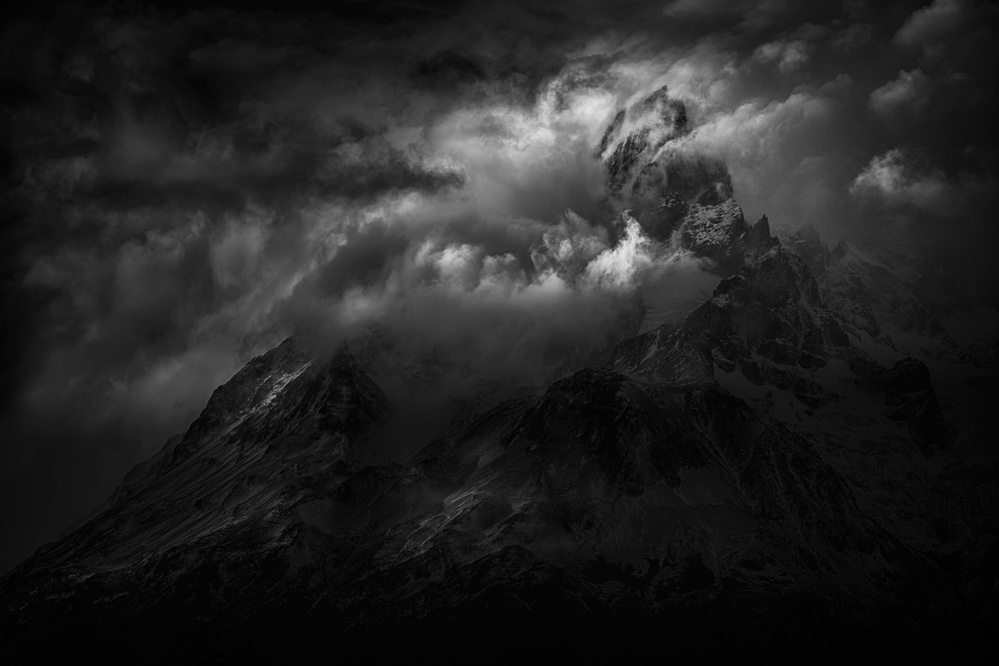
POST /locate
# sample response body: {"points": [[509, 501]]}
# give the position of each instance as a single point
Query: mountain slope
{"points": [[654, 498]]}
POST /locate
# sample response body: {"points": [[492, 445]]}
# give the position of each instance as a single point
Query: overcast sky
{"points": [[183, 189]]}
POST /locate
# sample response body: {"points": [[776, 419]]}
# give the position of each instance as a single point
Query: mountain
{"points": [[607, 498], [675, 195], [776, 469], [876, 293]]}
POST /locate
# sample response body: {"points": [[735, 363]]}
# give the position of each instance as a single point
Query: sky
{"points": [[185, 187]]}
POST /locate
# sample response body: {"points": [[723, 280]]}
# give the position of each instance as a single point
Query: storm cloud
{"points": [[185, 188]]}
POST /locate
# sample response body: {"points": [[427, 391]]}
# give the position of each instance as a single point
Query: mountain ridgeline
{"points": [[778, 471]]}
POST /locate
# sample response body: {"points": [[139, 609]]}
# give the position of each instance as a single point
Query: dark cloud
{"points": [[186, 186], [937, 22], [909, 93], [360, 261]]}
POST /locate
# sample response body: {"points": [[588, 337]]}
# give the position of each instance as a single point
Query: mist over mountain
{"points": [[389, 322]]}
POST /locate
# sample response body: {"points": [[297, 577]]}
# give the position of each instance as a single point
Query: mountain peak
{"points": [[674, 194], [636, 148]]}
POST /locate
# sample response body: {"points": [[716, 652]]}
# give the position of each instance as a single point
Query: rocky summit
{"points": [[779, 470]]}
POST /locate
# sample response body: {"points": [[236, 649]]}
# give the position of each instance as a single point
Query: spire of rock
{"points": [[759, 234]]}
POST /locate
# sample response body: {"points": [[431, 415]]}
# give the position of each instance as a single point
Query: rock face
{"points": [[752, 479], [666, 188], [875, 295], [678, 197], [767, 322], [910, 399]]}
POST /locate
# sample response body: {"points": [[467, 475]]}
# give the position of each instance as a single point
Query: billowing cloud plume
{"points": [[790, 56], [896, 179], [907, 93], [933, 23]]}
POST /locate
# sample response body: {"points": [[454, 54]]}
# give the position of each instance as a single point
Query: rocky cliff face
{"points": [[756, 477], [876, 294], [669, 190]]}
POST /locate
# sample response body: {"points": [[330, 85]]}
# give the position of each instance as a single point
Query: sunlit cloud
{"points": [[907, 93], [896, 179]]}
